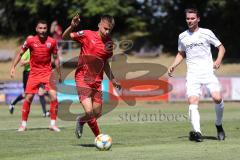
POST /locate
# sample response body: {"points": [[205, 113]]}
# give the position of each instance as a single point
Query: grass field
{"points": [[146, 131]]}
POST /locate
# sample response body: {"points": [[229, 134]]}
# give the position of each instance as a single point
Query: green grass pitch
{"points": [[145, 131]]}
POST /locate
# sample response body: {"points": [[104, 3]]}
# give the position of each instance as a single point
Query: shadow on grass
{"points": [[87, 145], [84, 145], [210, 137], [91, 145], [43, 128], [204, 137], [31, 129]]}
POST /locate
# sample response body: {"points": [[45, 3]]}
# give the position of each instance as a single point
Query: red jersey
{"points": [[94, 53], [40, 55]]}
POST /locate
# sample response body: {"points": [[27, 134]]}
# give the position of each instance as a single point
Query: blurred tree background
{"points": [[151, 22]]}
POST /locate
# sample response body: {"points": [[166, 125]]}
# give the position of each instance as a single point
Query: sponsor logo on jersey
{"points": [[192, 45]]}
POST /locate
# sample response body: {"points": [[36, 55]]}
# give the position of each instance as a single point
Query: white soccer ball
{"points": [[103, 142]]}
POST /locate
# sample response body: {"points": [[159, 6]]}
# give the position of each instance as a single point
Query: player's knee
{"points": [[29, 97], [193, 100], [97, 114], [53, 97], [89, 114], [193, 107]]}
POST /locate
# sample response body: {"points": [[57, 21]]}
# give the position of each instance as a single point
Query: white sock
{"points": [[24, 123], [219, 113], [194, 117], [53, 122]]}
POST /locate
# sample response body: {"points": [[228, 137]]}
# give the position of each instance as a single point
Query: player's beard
{"points": [[42, 35], [104, 34]]}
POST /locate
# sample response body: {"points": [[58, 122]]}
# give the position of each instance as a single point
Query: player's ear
{"points": [[198, 19]]}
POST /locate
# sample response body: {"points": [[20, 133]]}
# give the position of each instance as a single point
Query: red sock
{"points": [[53, 109], [94, 126], [25, 110]]}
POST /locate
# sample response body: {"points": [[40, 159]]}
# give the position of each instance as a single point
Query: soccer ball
{"points": [[103, 142]]}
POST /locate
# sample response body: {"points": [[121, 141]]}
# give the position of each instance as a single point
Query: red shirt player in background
{"points": [[96, 48], [42, 47]]}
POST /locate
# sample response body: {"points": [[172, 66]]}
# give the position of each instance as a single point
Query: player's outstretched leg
{"points": [[92, 123], [79, 127], [13, 103], [11, 108]]}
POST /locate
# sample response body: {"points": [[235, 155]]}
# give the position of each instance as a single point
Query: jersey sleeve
{"points": [[181, 47], [213, 39], [26, 45], [79, 36]]}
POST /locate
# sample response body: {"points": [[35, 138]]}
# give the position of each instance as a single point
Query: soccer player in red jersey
{"points": [[96, 48], [42, 47]]}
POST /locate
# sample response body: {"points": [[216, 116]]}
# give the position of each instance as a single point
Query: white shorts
{"points": [[194, 84]]}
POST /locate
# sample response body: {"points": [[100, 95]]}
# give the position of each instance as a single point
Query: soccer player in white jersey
{"points": [[194, 44]]}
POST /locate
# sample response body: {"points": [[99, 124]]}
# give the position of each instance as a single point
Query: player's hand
{"points": [[12, 72], [116, 84], [23, 63], [60, 79], [170, 70], [216, 64], [75, 21]]}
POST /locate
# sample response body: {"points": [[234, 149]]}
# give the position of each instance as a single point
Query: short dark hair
{"points": [[42, 22], [192, 10], [108, 18]]}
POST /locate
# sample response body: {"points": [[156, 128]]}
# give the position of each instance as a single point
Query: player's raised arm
{"points": [[221, 52], [178, 59], [57, 64], [110, 75], [74, 23], [15, 62]]}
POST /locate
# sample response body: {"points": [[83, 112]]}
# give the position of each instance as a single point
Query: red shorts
{"points": [[88, 89], [34, 82]]}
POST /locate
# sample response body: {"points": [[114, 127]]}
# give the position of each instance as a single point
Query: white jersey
{"points": [[196, 46]]}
